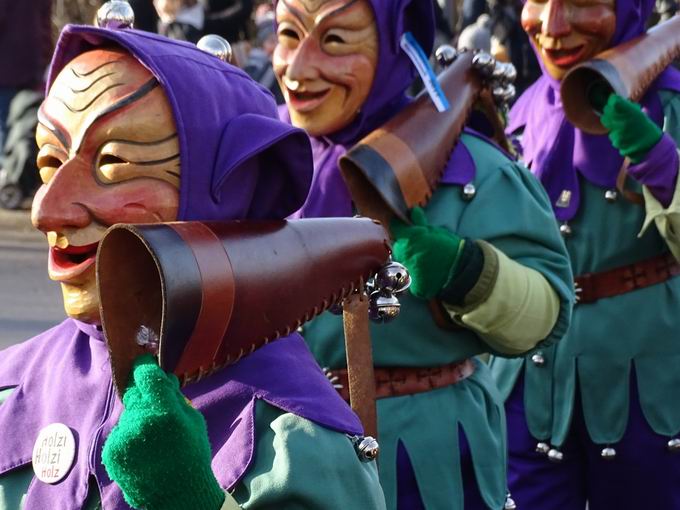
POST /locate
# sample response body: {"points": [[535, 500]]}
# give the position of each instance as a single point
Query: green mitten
{"points": [[158, 453], [631, 131], [430, 253]]}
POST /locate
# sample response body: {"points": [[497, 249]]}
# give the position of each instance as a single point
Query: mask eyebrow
{"points": [[337, 11], [135, 96], [56, 131], [295, 12]]}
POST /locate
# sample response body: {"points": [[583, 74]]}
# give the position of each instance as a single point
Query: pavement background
{"points": [[29, 301]]}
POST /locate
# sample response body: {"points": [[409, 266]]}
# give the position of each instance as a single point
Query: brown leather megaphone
{"points": [[628, 70], [398, 166], [209, 293]]}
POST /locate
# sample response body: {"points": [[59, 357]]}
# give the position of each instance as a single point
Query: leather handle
{"points": [[360, 361]]}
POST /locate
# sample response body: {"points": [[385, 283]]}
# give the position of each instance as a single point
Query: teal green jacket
{"points": [[298, 465], [609, 340], [512, 212]]}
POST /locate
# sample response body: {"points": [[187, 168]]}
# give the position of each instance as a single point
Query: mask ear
{"points": [[263, 169]]}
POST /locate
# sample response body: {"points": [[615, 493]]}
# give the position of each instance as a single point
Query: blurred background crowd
{"points": [[29, 30]]}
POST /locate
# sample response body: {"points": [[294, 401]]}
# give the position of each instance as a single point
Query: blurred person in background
{"points": [[259, 63], [25, 49], [183, 20]]}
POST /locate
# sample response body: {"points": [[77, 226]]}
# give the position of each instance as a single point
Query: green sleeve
{"points": [[301, 465], [512, 212]]}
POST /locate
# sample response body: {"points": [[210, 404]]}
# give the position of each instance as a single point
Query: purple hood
{"points": [[556, 151], [238, 161]]}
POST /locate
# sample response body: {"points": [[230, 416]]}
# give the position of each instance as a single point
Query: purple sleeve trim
{"points": [[659, 170]]}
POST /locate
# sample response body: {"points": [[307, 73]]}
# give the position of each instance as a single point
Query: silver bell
{"points": [[469, 191], [509, 72], [608, 453], [565, 229], [383, 306], [555, 455], [115, 14], [367, 448], [543, 448], [484, 63], [217, 46], [674, 445], [504, 93], [445, 55], [393, 277], [538, 359], [611, 195], [509, 503]]}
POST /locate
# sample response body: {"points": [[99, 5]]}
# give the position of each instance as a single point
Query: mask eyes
{"points": [[288, 36], [333, 39], [49, 160], [109, 167]]}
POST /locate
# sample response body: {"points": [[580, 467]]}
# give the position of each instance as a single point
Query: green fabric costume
{"points": [[510, 211], [611, 337], [284, 475]]}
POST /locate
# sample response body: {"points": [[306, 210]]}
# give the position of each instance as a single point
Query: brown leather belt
{"points": [[398, 381], [593, 286]]}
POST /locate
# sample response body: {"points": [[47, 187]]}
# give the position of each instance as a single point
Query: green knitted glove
{"points": [[431, 254], [158, 453], [631, 131]]}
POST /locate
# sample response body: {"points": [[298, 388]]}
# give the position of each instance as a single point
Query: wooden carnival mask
{"points": [[325, 60], [566, 32], [109, 153]]}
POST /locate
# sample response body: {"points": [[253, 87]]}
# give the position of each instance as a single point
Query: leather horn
{"points": [[628, 70], [212, 292], [398, 166]]}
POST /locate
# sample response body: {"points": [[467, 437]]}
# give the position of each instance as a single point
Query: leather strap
{"points": [[399, 381], [591, 287], [359, 374]]}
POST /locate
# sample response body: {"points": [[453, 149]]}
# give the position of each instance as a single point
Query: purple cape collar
{"points": [[63, 375]]}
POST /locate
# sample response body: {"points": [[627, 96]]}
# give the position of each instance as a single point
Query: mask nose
{"points": [[302, 66], [554, 21], [61, 203]]}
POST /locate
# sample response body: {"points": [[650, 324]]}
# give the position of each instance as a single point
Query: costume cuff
{"points": [[667, 219], [659, 170], [518, 310], [230, 503], [464, 274]]}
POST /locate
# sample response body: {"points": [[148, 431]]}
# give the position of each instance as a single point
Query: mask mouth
{"points": [[70, 262], [565, 57], [304, 101]]}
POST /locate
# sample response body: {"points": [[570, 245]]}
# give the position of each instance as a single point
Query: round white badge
{"points": [[53, 453]]}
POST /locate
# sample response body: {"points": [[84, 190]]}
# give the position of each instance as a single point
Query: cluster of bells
{"points": [[607, 453], [117, 14], [610, 195], [383, 305], [500, 76]]}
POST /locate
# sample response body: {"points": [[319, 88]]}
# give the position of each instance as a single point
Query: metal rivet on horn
{"points": [[216, 46], [115, 14]]}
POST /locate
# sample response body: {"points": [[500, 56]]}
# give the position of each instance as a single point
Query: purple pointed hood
{"points": [[237, 159], [558, 152]]}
